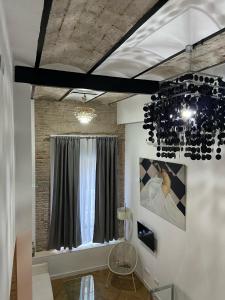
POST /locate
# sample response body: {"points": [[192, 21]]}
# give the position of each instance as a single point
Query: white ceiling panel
{"points": [[177, 24]]}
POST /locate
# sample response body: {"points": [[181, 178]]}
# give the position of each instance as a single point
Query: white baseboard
{"points": [[147, 285], [79, 272]]}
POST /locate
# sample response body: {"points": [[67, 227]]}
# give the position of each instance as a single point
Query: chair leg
{"points": [[107, 280], [134, 282]]}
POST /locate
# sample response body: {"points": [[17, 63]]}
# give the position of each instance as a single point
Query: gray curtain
{"points": [[64, 228], [106, 190]]}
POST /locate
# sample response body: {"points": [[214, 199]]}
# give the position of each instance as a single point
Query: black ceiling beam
{"points": [[138, 24], [135, 76], [212, 66], [41, 38], [158, 64], [63, 79], [43, 28], [209, 37], [65, 95]]}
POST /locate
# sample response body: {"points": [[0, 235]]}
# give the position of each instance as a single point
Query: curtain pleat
{"points": [[65, 228], [106, 190]]}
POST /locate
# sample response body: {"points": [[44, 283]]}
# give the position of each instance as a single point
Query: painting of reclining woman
{"points": [[163, 190]]}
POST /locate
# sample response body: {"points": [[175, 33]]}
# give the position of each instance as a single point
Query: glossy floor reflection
{"points": [[92, 287]]}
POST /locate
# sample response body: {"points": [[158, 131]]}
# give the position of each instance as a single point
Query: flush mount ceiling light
{"points": [[188, 114], [78, 95], [83, 113]]}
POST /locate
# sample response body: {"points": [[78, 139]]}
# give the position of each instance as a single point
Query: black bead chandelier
{"points": [[187, 115]]}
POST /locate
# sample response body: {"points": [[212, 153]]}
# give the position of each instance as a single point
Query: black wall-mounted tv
{"points": [[146, 236]]}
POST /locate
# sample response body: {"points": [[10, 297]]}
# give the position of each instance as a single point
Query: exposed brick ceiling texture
{"points": [[80, 32], [204, 56]]}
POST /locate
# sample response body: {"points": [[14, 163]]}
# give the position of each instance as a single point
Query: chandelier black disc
{"points": [[188, 115]]}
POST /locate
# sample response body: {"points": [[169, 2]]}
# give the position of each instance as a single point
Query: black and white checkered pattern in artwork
{"points": [[177, 173]]}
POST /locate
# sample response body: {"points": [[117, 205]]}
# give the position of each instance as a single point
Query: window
{"points": [[87, 188], [84, 192]]}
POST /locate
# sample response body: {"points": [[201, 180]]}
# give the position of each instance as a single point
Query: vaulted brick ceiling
{"points": [[81, 32]]}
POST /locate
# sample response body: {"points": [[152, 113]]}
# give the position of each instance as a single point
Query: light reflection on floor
{"points": [[80, 288], [92, 287]]}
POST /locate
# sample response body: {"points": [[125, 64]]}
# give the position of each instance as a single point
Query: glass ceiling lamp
{"points": [[187, 114], [84, 114]]}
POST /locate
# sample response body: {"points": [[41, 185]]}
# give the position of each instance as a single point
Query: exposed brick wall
{"points": [[52, 117]]}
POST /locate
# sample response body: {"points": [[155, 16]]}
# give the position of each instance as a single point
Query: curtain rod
{"points": [[83, 135]]}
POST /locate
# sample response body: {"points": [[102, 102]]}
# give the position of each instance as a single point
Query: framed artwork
{"points": [[163, 190]]}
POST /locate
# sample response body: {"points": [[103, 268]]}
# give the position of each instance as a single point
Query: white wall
{"points": [[23, 23], [7, 206], [193, 260], [130, 110], [23, 157]]}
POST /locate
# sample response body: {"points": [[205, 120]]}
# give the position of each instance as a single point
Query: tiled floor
{"points": [[92, 287]]}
